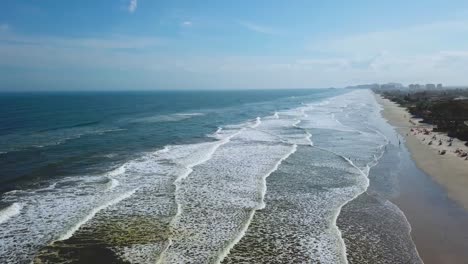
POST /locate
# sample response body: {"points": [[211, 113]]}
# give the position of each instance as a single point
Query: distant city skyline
{"points": [[167, 45]]}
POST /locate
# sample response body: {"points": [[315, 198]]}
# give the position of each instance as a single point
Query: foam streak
{"points": [[241, 234], [93, 212], [9, 212], [185, 175]]}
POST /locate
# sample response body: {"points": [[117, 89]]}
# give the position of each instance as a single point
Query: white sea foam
{"points": [[293, 198], [109, 156], [166, 118], [261, 205], [309, 138], [218, 186], [296, 123], [118, 171], [13, 192], [10, 211], [229, 187], [398, 211], [189, 169], [258, 121], [105, 131], [335, 216], [93, 212], [361, 188], [189, 114], [112, 184], [359, 149], [364, 168]]}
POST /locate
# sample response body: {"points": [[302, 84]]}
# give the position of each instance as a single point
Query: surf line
{"points": [[367, 183], [258, 121], [185, 175], [12, 210], [225, 252], [93, 212]]}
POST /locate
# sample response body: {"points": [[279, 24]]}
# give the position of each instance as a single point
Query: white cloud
{"points": [[170, 70], [258, 28], [410, 40], [4, 27], [132, 6], [103, 43], [187, 24], [364, 58]]}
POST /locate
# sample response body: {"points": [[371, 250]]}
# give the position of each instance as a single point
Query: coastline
{"points": [[449, 171], [429, 192]]}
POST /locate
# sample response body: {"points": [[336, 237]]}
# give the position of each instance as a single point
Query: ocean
{"points": [[267, 176]]}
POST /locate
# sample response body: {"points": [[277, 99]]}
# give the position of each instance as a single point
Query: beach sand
{"points": [[432, 194], [449, 170]]}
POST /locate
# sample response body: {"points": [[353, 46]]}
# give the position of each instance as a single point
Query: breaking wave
{"points": [[217, 201]]}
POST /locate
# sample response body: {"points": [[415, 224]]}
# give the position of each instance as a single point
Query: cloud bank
{"points": [[135, 62], [258, 28]]}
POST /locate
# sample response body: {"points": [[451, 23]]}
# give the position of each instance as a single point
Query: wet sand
{"points": [[431, 193], [374, 229], [439, 224], [448, 170]]}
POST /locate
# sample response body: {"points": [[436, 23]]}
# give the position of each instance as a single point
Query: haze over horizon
{"points": [[143, 44]]}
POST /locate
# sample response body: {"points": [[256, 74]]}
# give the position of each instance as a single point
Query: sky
{"points": [[242, 44]]}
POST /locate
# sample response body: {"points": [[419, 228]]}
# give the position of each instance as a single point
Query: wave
{"points": [[258, 121], [48, 139], [118, 171], [105, 131], [59, 210], [207, 156], [70, 126], [261, 205], [260, 142], [337, 213], [309, 138], [112, 184], [400, 212], [93, 212], [311, 120], [166, 118], [296, 123], [10, 211], [210, 190], [363, 170], [190, 114]]}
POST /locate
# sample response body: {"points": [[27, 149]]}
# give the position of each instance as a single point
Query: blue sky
{"points": [[149, 44]]}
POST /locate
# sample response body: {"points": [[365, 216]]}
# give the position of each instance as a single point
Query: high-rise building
{"points": [[414, 87]]}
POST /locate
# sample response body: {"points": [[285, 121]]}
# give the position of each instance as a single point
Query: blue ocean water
{"points": [[46, 135], [189, 177]]}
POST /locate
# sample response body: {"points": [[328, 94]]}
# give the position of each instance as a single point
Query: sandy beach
{"points": [[449, 170], [431, 188]]}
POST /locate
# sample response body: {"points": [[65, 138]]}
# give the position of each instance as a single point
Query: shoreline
{"points": [[429, 191], [449, 170]]}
